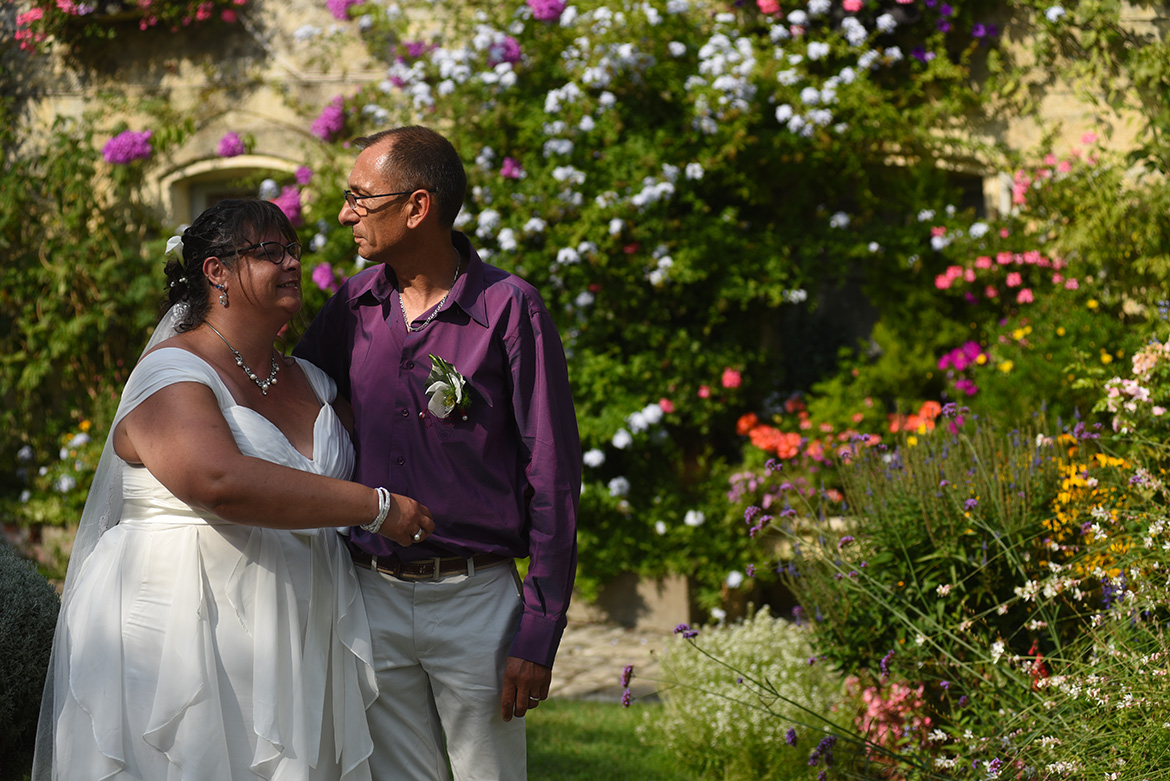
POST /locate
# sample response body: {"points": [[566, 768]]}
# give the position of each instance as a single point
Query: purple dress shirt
{"points": [[507, 479]]}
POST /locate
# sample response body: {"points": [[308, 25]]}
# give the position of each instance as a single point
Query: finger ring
{"points": [[533, 699], [418, 535]]}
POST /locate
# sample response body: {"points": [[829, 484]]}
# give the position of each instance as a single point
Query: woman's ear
{"points": [[214, 270]]}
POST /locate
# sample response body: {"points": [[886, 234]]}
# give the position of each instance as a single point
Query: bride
{"points": [[211, 625]]}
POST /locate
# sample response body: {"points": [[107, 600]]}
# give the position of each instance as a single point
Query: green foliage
{"points": [[28, 614], [80, 293]]}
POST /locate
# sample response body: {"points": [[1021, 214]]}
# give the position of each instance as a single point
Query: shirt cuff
{"points": [[537, 639]]}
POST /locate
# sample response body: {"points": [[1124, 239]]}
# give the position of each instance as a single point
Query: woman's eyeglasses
{"points": [[273, 251]]}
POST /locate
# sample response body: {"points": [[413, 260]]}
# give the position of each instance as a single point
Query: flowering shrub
{"points": [[736, 700], [231, 145], [75, 23]]}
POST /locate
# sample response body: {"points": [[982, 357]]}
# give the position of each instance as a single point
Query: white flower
{"points": [[622, 439], [694, 171], [637, 422], [535, 225], [25, 495], [65, 484], [819, 7], [1054, 13], [593, 458], [788, 77], [719, 614], [818, 50], [447, 389], [79, 440], [677, 49], [652, 413], [568, 256], [873, 246], [584, 299], [660, 528], [926, 214], [619, 486], [615, 226], [269, 189], [694, 518], [839, 220], [798, 17], [734, 579], [978, 230], [997, 650], [783, 113], [886, 23], [810, 96], [25, 454]]}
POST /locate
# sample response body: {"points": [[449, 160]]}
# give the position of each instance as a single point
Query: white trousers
{"points": [[439, 652]]}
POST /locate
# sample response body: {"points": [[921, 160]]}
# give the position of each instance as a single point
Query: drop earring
{"points": [[223, 299]]}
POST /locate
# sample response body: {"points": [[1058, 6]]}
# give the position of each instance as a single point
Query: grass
{"points": [[570, 740]]}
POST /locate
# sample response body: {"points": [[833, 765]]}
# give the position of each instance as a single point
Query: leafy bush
{"points": [[28, 615]]}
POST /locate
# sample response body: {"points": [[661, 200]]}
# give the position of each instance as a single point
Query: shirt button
{"points": [[406, 413], [401, 460], [410, 364]]}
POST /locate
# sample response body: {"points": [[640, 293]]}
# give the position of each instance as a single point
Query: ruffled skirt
{"points": [[215, 651]]}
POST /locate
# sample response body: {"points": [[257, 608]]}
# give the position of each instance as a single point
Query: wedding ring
{"points": [[418, 535], [533, 699]]}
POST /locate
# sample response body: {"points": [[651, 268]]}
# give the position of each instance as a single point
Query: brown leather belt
{"points": [[425, 569]]}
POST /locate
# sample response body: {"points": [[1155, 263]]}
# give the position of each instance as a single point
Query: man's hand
{"points": [[525, 685]]}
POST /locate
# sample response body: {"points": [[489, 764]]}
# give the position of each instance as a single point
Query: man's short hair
{"points": [[422, 159]]}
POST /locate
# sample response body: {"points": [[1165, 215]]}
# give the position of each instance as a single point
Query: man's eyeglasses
{"points": [[273, 251], [352, 199]]}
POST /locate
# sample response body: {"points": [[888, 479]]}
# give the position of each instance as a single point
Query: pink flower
{"points": [[289, 202], [991, 292], [340, 8], [1024, 296], [128, 146], [303, 175], [324, 279], [511, 169], [942, 281], [507, 50], [1089, 138], [851, 6], [332, 119], [704, 392], [1014, 279], [546, 10], [983, 262], [1064, 166], [771, 6], [939, 230], [1004, 233], [1070, 284], [666, 405], [231, 145], [731, 378], [1049, 159], [229, 16], [969, 275]]}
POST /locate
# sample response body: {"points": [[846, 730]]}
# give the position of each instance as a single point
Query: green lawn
{"points": [[594, 741]]}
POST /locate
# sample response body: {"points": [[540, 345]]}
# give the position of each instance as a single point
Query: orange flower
{"points": [[746, 423]]}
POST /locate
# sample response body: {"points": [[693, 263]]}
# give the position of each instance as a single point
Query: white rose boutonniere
{"points": [[447, 389]]}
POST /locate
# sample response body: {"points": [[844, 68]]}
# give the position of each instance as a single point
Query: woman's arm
{"points": [[181, 436]]}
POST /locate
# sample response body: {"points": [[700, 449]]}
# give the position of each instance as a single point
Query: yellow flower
{"points": [[981, 359], [1060, 331], [85, 425], [911, 441], [1093, 304], [1006, 366]]}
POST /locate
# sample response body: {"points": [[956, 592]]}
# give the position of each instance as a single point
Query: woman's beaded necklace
{"points": [[263, 385]]}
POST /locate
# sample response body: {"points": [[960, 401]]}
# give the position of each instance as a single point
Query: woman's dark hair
{"points": [[219, 231]]}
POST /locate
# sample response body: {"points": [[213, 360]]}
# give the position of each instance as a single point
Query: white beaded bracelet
{"points": [[383, 510]]}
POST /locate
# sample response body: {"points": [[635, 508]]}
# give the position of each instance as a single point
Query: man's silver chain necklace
{"points": [[438, 307]]}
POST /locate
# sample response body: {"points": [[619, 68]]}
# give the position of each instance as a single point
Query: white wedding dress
{"points": [[195, 648]]}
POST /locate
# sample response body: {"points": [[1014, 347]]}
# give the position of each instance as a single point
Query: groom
{"points": [[461, 645]]}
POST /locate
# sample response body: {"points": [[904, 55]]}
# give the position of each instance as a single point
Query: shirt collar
{"points": [[373, 286]]}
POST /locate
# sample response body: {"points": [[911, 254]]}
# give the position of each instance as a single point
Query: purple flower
{"points": [[231, 145], [884, 665], [324, 279], [945, 10], [751, 570], [340, 8], [627, 698], [844, 541], [685, 630], [506, 50], [546, 10], [128, 146], [332, 119], [511, 169], [798, 614], [944, 27], [289, 202], [945, 685], [978, 31], [963, 700], [970, 504], [627, 674], [790, 736], [303, 175]]}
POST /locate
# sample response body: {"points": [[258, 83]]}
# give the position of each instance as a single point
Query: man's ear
{"points": [[422, 205]]}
